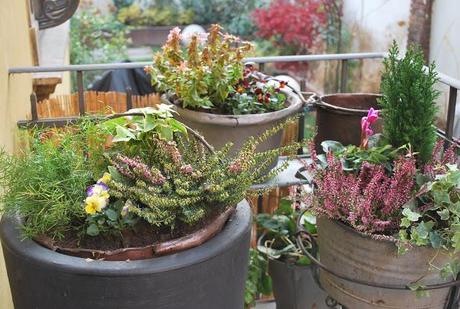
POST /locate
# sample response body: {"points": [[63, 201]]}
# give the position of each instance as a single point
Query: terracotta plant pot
{"points": [[294, 286], [354, 255], [338, 117], [209, 276]]}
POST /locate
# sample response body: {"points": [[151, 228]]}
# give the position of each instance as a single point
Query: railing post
{"points": [[33, 106], [261, 67], [129, 98], [451, 112], [344, 75], [301, 125], [81, 93]]}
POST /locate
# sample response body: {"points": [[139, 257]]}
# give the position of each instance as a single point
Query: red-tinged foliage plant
{"points": [[295, 27]]}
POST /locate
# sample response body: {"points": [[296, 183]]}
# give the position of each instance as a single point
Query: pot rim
{"points": [[149, 251], [345, 110], [295, 106], [363, 235], [236, 226]]}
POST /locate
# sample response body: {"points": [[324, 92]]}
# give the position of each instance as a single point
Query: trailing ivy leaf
{"points": [[435, 239], [456, 240], [424, 229], [441, 197], [450, 269], [443, 214], [411, 215]]}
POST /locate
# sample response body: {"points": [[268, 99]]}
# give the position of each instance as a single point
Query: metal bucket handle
{"points": [[312, 100], [303, 235]]}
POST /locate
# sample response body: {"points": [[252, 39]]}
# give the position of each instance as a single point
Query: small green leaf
{"points": [[333, 146], [435, 239], [443, 214], [441, 197], [111, 214], [123, 135], [456, 241], [115, 174], [92, 230], [411, 215]]}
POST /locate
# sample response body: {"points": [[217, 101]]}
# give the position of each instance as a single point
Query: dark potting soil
{"points": [[141, 235]]}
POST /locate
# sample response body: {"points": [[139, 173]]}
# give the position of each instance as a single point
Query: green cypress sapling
{"points": [[408, 101]]}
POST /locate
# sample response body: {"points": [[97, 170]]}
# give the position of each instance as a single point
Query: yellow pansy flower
{"points": [[95, 203], [105, 178]]}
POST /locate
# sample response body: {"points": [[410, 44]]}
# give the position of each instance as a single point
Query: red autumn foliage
{"points": [[294, 26], [297, 23]]}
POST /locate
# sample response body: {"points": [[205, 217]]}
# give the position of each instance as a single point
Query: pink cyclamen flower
{"points": [[366, 130]]}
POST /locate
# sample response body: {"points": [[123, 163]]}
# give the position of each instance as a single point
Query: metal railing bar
{"points": [[316, 57], [449, 81], [443, 78], [133, 65], [78, 67]]}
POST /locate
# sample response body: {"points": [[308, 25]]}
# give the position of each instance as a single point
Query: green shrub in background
{"points": [[96, 38], [155, 15], [235, 16]]}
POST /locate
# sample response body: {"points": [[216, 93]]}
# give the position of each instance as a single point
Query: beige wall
{"points": [[15, 50]]}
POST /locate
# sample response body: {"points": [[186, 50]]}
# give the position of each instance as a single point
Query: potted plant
{"points": [[131, 212], [387, 220], [150, 26], [215, 94], [292, 276]]}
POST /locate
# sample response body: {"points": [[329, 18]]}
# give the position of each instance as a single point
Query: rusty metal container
{"points": [[338, 117], [358, 256]]}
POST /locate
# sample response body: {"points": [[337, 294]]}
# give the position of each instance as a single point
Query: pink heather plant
{"points": [[370, 200]]}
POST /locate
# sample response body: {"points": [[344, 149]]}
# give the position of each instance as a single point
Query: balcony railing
{"points": [[452, 83]]}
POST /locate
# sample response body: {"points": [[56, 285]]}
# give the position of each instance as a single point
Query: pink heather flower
{"points": [[366, 122], [235, 167], [369, 201], [440, 159], [186, 169]]}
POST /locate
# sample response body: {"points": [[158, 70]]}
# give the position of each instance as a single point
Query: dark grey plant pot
{"points": [[294, 286], [209, 276]]}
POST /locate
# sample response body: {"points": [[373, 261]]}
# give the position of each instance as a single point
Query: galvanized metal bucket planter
{"points": [[358, 257], [294, 286], [221, 129], [209, 276], [338, 117]]}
